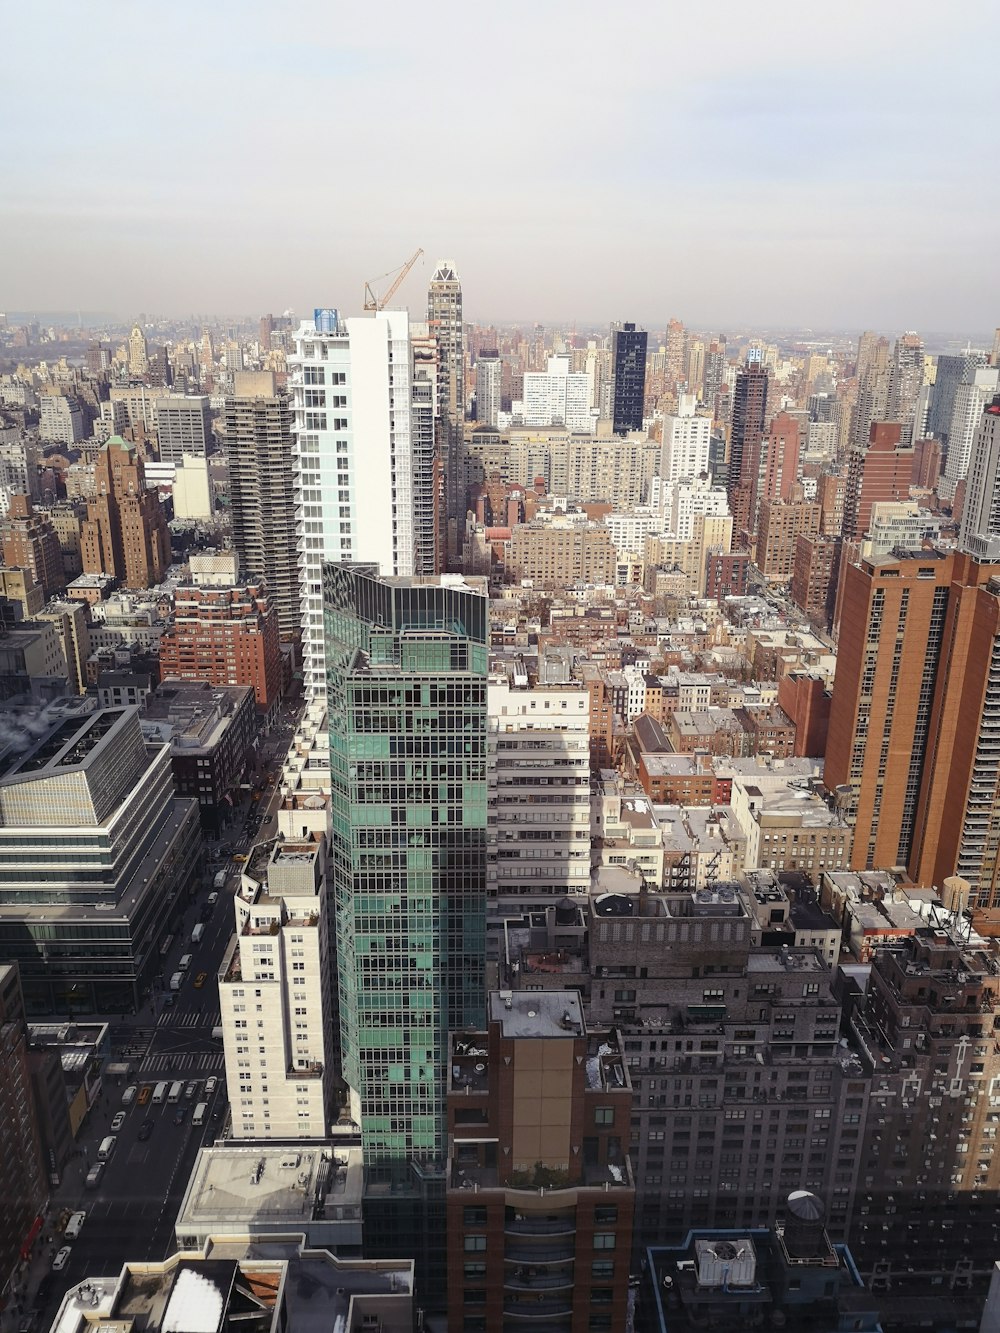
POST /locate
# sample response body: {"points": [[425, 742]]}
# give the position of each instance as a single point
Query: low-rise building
{"points": [[210, 731], [264, 1278], [789, 825]]}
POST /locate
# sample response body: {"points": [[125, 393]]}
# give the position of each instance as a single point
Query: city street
{"points": [[130, 1216]]}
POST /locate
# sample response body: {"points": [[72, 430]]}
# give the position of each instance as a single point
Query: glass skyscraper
{"points": [[406, 689]]}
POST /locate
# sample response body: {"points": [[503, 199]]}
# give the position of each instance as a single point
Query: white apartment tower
{"points": [[489, 385], [352, 384], [980, 534], [274, 992], [538, 773], [975, 390], [557, 397], [686, 439]]}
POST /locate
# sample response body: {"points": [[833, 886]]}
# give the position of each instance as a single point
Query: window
{"points": [[475, 1270], [603, 1240], [474, 1217], [602, 1268], [478, 1243], [604, 1115]]}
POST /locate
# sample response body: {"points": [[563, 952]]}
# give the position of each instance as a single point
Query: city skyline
{"points": [[728, 173]]}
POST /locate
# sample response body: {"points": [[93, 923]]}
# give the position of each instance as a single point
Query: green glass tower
{"points": [[406, 681]]}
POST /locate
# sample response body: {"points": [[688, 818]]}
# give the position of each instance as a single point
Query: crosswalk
{"points": [[137, 1044], [194, 1018], [205, 1062]]}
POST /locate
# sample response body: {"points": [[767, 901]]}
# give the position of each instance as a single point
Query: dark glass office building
{"points": [[628, 355]]}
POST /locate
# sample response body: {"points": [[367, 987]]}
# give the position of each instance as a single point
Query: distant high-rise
{"points": [[906, 370], [686, 439], [715, 375], [258, 440], [29, 541], [557, 397], [125, 533], [879, 471], [951, 371], [628, 362], [138, 353], [183, 426], [489, 385], [444, 319], [407, 674], [977, 387], [980, 534], [353, 386], [746, 433]]}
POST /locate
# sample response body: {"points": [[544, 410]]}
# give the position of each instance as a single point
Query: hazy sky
{"points": [[795, 163]]}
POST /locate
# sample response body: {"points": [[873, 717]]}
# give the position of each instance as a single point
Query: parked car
{"points": [[180, 1115], [145, 1092], [62, 1259], [146, 1130], [117, 1122]]}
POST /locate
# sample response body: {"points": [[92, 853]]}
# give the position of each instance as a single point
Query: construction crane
{"points": [[373, 302]]}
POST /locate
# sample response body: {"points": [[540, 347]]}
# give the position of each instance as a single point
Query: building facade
{"points": [[540, 1194], [275, 986], [406, 671], [539, 794], [351, 383], [258, 442]]}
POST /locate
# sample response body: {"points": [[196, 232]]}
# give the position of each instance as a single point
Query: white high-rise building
{"points": [[680, 501], [980, 534], [352, 387], [686, 440], [538, 773], [976, 389], [274, 993], [489, 383], [557, 397]]}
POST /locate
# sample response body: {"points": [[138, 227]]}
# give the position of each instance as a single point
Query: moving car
{"points": [[180, 1115], [210, 1085], [200, 980], [190, 1090], [107, 1148], [145, 1130], [128, 1096], [117, 1122], [62, 1258], [75, 1225], [94, 1175], [145, 1092], [213, 898]]}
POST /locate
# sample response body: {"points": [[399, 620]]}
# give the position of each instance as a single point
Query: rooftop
{"points": [[267, 1187], [537, 1014]]}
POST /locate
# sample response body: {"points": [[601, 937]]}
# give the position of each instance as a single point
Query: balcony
{"points": [[538, 1309], [541, 1226], [540, 1254], [527, 1279]]}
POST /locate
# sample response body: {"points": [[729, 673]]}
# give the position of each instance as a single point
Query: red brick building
{"points": [[225, 636], [540, 1197], [882, 470]]}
